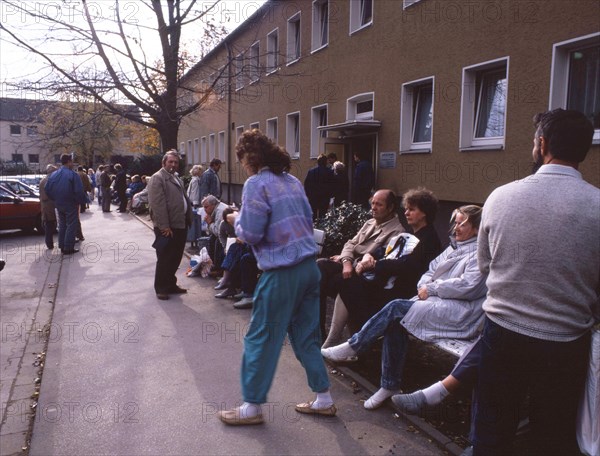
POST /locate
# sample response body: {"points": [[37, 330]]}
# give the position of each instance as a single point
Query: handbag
{"points": [[588, 414]]}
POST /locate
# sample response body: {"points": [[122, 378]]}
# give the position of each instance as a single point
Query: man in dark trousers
{"points": [[121, 187], [538, 240], [318, 186], [105, 188], [171, 213], [64, 187]]}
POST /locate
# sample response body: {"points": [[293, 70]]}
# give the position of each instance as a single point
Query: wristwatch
{"points": [[345, 260]]}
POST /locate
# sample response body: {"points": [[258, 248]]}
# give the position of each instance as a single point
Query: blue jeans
{"points": [[68, 225], [386, 323], [512, 365]]}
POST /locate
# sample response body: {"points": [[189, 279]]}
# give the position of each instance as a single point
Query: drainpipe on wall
{"points": [[228, 141]]}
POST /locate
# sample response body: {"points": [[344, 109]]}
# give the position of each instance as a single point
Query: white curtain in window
{"points": [[324, 22], [366, 11], [491, 104], [422, 114]]}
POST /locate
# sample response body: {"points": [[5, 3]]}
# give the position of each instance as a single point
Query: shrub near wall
{"points": [[340, 225]]}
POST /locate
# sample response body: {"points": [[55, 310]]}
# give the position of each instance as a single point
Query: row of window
{"points": [[575, 85], [16, 130], [32, 158]]}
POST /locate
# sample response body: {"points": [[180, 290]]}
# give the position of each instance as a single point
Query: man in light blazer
{"points": [[171, 213]]}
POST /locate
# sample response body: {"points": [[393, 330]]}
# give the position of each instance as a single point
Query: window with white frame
{"points": [[293, 38], [190, 150], [32, 131], [254, 62], [575, 82], [238, 132], [360, 107], [483, 106], [238, 71], [34, 159], [196, 152], [272, 51], [361, 14], [272, 129], [416, 116], [15, 130], [292, 134], [254, 125], [203, 150], [211, 146], [182, 148], [320, 24], [221, 146], [318, 118]]}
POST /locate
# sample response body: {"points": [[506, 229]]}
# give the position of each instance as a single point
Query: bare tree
{"points": [[118, 53]]}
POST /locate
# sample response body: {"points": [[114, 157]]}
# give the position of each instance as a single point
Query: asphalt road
{"points": [[127, 374]]}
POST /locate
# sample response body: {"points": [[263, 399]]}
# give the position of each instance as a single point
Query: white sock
{"points": [[379, 398], [342, 351], [435, 393], [248, 410], [322, 401]]}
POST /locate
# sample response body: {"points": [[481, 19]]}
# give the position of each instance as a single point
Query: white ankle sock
{"points": [[435, 393], [343, 350], [248, 410], [322, 401], [379, 398]]}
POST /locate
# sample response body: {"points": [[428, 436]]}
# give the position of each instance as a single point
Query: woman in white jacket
{"points": [[447, 305]]}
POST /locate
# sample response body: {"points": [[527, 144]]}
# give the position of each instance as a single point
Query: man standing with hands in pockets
{"points": [[171, 213]]}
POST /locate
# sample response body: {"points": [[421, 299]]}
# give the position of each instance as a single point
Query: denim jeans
{"points": [[386, 323], [68, 224], [512, 365]]}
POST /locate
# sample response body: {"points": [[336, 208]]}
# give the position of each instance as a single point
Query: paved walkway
{"points": [[127, 374]]}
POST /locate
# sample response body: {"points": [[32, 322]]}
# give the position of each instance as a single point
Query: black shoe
{"points": [[162, 296], [69, 252], [50, 247], [2, 264], [178, 290]]}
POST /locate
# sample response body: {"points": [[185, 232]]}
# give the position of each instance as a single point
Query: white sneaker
{"points": [[340, 353]]}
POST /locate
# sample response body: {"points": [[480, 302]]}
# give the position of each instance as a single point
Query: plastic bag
{"points": [[588, 415], [200, 264]]}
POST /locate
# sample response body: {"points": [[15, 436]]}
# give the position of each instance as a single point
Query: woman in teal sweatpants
{"points": [[276, 221]]}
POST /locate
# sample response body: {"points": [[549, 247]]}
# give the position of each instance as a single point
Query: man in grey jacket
{"points": [[171, 213], [539, 242]]}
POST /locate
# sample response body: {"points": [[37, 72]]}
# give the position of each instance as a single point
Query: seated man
{"points": [[213, 218], [447, 305], [373, 235]]}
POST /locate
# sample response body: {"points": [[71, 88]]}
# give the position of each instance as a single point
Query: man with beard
{"points": [[539, 242]]}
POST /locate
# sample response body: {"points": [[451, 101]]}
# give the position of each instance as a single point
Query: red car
{"points": [[19, 213]]}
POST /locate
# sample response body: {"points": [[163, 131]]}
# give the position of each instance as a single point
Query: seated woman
{"points": [[447, 305], [395, 275]]}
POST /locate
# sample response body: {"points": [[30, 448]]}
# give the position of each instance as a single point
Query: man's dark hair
{"points": [[215, 162], [568, 133], [322, 160], [80, 168], [424, 199], [65, 158]]}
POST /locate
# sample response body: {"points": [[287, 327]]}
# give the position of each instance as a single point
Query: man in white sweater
{"points": [[539, 243]]}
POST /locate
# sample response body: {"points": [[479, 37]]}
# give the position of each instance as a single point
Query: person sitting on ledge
{"points": [[447, 305]]}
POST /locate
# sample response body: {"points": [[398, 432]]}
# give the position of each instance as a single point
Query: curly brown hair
{"points": [[424, 199], [260, 151]]}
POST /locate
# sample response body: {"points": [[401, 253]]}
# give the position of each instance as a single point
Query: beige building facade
{"points": [[439, 93]]}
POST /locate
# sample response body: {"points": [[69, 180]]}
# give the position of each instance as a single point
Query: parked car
{"points": [[19, 188], [33, 180], [18, 212]]}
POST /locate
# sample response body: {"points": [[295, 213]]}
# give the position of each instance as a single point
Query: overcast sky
{"points": [[17, 64]]}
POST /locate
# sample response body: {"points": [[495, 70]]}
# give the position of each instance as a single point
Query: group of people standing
{"points": [[328, 184], [525, 267]]}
